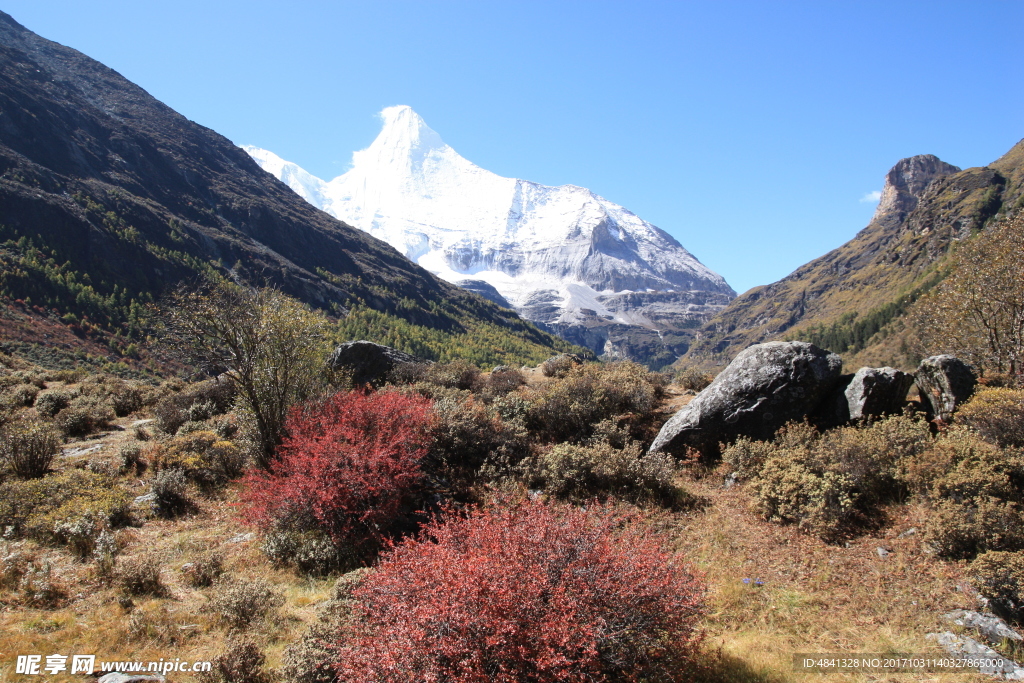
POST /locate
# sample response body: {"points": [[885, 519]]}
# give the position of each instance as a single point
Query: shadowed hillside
{"points": [[108, 198]]}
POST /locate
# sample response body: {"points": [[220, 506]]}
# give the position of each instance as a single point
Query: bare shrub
{"points": [[40, 587], [171, 489], [560, 365], [141, 576], [242, 662], [204, 570], [997, 414], [79, 534], [28, 447], [246, 602]]}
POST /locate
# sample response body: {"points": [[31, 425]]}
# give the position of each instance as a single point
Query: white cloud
{"points": [[871, 197]]}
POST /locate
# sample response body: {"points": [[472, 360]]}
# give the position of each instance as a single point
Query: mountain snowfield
{"points": [[561, 256]]}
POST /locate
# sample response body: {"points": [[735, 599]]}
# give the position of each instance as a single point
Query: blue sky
{"points": [[750, 131]]}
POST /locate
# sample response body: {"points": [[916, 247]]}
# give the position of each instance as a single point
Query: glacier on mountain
{"points": [[561, 256]]}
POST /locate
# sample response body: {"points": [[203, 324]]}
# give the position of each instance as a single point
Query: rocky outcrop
{"points": [[486, 290], [766, 386], [981, 658], [989, 626], [906, 182], [368, 362], [944, 382], [874, 392]]}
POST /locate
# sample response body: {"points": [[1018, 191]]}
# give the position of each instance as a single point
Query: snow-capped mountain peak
{"points": [[560, 255]]}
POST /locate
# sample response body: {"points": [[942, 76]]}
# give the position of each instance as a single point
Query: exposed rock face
{"points": [[368, 362], [874, 392], [991, 627], [764, 387], [944, 382], [486, 290], [981, 657], [906, 182]]}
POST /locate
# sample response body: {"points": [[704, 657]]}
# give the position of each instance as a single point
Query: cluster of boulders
{"points": [[768, 385]]}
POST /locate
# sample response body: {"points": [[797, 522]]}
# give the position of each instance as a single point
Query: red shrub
{"points": [[350, 462], [535, 592]]}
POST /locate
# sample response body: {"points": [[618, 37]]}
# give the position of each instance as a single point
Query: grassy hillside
{"points": [[851, 299]]}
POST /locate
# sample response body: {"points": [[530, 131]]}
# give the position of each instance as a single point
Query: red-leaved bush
{"points": [[350, 463], [535, 592]]}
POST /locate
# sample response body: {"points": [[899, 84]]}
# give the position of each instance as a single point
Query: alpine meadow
{"points": [[423, 422]]}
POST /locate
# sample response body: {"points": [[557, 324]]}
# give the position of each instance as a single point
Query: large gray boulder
{"points": [[369, 362], [874, 392], [765, 386], [944, 382]]}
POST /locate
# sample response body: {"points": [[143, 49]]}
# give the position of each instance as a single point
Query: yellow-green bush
{"points": [[472, 443], [567, 409], [974, 489], [193, 402], [20, 395], [962, 529], [52, 402], [693, 379], [832, 482], [35, 508], [560, 365], [203, 456], [610, 464], [502, 381], [997, 414], [999, 576], [458, 374], [85, 413]]}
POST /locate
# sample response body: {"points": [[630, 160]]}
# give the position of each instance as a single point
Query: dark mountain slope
{"points": [[126, 198], [848, 299]]}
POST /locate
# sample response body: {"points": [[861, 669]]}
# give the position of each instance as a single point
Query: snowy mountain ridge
{"points": [[562, 256]]}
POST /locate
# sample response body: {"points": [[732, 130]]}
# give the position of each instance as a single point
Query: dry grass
{"points": [[815, 597], [177, 624]]}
